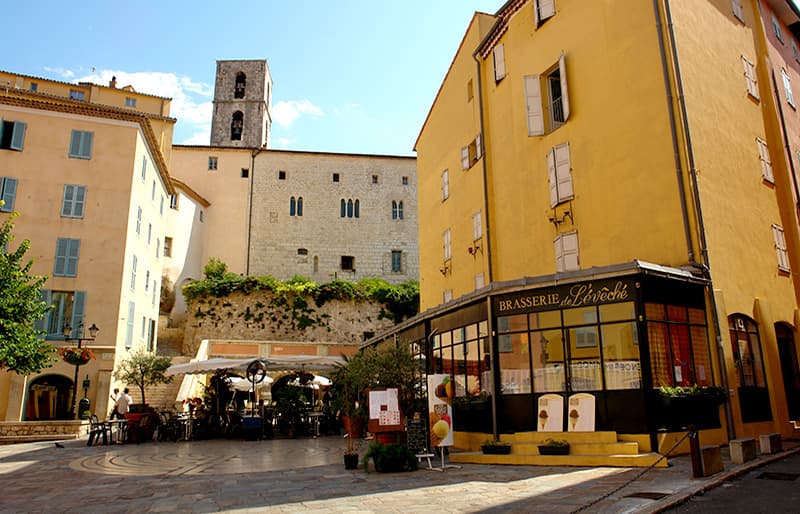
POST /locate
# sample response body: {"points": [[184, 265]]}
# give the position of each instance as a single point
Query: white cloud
{"points": [[284, 113], [64, 74], [284, 142], [201, 137]]}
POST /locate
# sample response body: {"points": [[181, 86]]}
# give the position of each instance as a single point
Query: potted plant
{"points": [[554, 447], [682, 406], [390, 458], [76, 356], [144, 369], [492, 447]]}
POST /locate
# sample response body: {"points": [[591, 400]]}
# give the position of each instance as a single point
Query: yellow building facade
{"points": [[608, 205]]}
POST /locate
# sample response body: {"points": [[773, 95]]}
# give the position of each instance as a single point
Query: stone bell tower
{"points": [[242, 98]]}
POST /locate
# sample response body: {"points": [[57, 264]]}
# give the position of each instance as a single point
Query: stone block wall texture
{"points": [[312, 245], [256, 317], [254, 105]]}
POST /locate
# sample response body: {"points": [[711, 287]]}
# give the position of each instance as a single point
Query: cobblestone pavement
{"points": [[308, 475]]}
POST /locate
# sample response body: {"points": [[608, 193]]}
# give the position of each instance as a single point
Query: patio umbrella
{"points": [[244, 385]]}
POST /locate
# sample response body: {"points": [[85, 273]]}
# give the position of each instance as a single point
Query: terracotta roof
{"points": [[504, 15], [82, 84], [11, 96], [190, 192]]}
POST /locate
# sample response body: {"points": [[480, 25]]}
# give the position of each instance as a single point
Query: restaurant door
{"points": [[789, 369]]}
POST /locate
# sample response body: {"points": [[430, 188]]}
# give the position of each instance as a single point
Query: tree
{"points": [[21, 306], [144, 369]]}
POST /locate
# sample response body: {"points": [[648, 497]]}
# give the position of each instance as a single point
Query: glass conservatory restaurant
{"points": [[617, 336]]}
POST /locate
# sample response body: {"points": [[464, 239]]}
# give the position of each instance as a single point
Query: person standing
{"points": [[114, 412], [124, 402]]}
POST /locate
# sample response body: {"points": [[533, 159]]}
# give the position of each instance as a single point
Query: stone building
{"points": [[242, 97]]}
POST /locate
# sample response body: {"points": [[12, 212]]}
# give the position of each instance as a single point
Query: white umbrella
{"points": [[204, 367], [242, 384]]}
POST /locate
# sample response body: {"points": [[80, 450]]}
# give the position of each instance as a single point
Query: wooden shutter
{"points": [[41, 325], [18, 135], [66, 204], [780, 247], [543, 10], [464, 157], [86, 144], [737, 9], [79, 200], [787, 85], [750, 77], [8, 188], [533, 103], [129, 325], [73, 249], [552, 178], [62, 246], [445, 185], [562, 71], [75, 144], [478, 149], [78, 307], [477, 226], [563, 170], [570, 246], [498, 55], [766, 163]]}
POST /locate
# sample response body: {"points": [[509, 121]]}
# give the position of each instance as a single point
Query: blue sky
{"points": [[349, 76]]}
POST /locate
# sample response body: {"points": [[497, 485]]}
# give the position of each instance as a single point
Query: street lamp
{"points": [[80, 339]]}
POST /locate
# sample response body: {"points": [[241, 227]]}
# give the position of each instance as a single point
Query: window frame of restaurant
{"points": [[752, 389]]}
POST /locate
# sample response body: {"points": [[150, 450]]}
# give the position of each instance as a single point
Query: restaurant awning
{"points": [[288, 363]]}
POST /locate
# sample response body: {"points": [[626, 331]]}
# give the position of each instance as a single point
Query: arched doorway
{"points": [[789, 368], [48, 398]]}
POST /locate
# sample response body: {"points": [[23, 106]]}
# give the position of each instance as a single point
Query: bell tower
{"points": [[242, 99]]}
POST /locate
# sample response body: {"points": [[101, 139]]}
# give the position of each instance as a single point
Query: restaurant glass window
{"points": [[515, 375], [547, 355], [678, 343], [585, 373]]}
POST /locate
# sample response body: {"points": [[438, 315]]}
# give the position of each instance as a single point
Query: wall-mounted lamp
{"points": [[444, 269], [556, 220], [474, 249]]}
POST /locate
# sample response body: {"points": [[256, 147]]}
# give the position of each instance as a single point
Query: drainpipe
{"points": [[786, 142], [253, 155], [705, 265], [488, 245]]}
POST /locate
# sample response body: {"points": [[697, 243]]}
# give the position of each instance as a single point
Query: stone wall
{"points": [[260, 316], [27, 431]]}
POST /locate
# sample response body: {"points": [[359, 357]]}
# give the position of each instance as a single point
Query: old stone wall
{"points": [[261, 316]]}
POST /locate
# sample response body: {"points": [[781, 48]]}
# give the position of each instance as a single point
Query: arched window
{"points": [[237, 123], [400, 210], [342, 207], [350, 208], [394, 210], [357, 208], [292, 207], [747, 357], [238, 89], [300, 206]]}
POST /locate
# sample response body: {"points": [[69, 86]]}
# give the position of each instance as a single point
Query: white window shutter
{"points": [[533, 103], [547, 9], [569, 243], [445, 185], [464, 157], [499, 63], [563, 165], [766, 163], [737, 9], [18, 136], [787, 85], [750, 77], [780, 247], [552, 178], [562, 71], [477, 229], [478, 149], [559, 248]]}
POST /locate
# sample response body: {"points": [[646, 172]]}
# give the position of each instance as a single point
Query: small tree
{"points": [[21, 306], [144, 369]]}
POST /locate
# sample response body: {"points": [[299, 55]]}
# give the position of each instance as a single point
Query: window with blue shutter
{"points": [[65, 307], [67, 251], [80, 145], [8, 192], [300, 206], [41, 325], [138, 220], [78, 308], [74, 201], [12, 135]]}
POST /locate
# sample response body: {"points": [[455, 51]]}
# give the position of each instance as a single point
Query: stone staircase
{"points": [[586, 449]]}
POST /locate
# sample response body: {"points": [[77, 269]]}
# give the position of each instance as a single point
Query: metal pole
{"points": [[694, 450], [75, 386]]}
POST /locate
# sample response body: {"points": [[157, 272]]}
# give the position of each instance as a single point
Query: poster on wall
{"points": [[384, 410], [580, 416], [551, 413], [441, 391]]}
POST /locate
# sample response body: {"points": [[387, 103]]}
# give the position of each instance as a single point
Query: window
{"points": [[776, 26], [342, 208], [130, 102], [302, 252], [138, 220], [167, 247], [543, 10], [446, 245], [566, 246], [80, 146], [161, 206], [445, 185], [153, 192], [67, 251], [469, 90], [477, 226], [129, 325], [296, 206], [245, 173], [349, 208], [12, 135], [556, 103], [144, 327], [74, 201], [238, 88], [374, 179], [212, 163], [559, 174], [471, 153], [447, 295], [749, 361], [147, 280], [498, 57], [397, 210], [151, 334], [67, 307], [158, 247], [348, 263], [237, 125], [34, 86], [155, 289], [149, 232], [8, 193], [397, 261], [74, 94], [780, 248], [750, 77], [173, 201], [795, 51], [737, 9], [766, 163], [281, 175], [787, 86], [404, 181], [133, 273], [336, 177], [201, 216], [144, 168]]}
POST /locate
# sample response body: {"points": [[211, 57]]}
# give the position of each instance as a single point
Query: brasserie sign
{"points": [[572, 295]]}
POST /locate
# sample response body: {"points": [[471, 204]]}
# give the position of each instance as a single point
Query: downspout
{"points": [[488, 245], [705, 265], [786, 142], [253, 155]]}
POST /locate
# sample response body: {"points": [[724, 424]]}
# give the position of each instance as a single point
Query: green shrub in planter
{"points": [[389, 458]]}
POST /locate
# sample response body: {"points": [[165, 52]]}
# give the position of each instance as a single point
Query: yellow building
{"points": [[608, 205], [86, 168]]}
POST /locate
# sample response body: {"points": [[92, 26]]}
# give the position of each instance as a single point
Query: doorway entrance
{"points": [[789, 368], [48, 398]]}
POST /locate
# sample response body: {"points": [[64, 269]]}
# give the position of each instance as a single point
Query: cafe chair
{"points": [[97, 429]]}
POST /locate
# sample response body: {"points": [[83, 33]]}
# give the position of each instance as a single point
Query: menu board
{"points": [[384, 410]]}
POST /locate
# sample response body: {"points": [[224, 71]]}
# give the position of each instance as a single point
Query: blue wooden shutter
{"points": [[66, 205], [18, 135], [61, 257], [75, 144], [78, 308], [8, 188], [86, 144], [42, 324], [73, 250], [79, 201]]}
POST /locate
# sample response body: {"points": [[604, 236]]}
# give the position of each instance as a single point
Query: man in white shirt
{"points": [[123, 402]]}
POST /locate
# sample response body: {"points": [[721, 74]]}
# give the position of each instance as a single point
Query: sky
{"points": [[350, 76]]}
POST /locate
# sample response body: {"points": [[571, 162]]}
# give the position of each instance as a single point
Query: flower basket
{"points": [[76, 356]]}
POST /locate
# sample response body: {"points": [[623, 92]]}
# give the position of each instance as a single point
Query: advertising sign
{"points": [[551, 413], [384, 410], [581, 413], [441, 390]]}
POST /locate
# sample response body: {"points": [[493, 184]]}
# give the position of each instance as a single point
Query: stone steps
{"points": [[639, 460]]}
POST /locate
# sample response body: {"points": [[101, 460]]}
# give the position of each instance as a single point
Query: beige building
{"points": [[85, 168]]}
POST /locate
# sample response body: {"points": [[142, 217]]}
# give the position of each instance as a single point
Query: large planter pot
{"points": [[677, 413], [350, 461], [553, 450], [496, 449]]}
